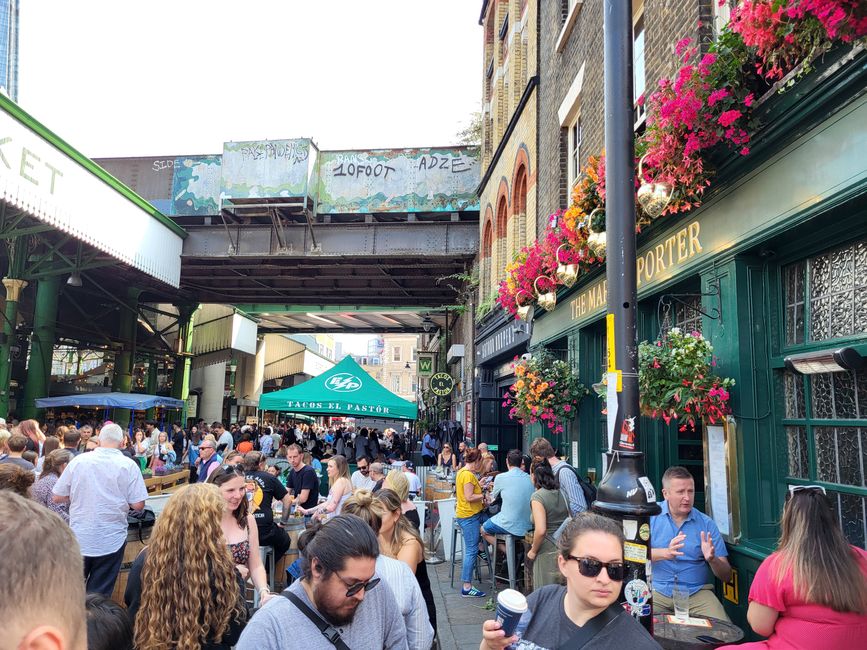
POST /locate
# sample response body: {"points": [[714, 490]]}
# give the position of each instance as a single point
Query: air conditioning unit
{"points": [[455, 352]]}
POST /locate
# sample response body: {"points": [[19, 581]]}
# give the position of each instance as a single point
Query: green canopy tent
{"points": [[346, 389]]}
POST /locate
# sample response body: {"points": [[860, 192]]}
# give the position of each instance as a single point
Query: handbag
{"points": [[328, 631], [494, 507], [141, 520]]}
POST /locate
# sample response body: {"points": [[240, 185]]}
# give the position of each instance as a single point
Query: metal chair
{"points": [[511, 560], [457, 534]]}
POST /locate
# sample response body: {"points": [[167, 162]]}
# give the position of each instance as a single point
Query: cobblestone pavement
{"points": [[459, 619]]}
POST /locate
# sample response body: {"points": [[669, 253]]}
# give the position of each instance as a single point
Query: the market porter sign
{"points": [[657, 260]]}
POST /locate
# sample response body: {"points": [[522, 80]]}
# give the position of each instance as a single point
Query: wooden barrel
{"points": [[134, 545], [295, 526], [441, 489], [429, 484]]}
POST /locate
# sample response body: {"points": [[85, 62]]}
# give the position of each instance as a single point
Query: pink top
{"points": [[802, 625]]}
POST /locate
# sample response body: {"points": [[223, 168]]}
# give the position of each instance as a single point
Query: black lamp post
{"points": [[625, 493]]}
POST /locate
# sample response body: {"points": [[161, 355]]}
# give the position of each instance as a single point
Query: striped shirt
{"points": [[407, 593], [570, 488]]}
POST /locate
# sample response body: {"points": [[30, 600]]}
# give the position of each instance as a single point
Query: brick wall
{"points": [[666, 22]]}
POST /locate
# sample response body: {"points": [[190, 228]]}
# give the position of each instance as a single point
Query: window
{"points": [[363, 361], [686, 315], [395, 384], [414, 356], [395, 353], [575, 135], [825, 415], [638, 71], [414, 388], [825, 296]]}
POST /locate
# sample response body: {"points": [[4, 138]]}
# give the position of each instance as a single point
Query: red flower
{"points": [[729, 117]]}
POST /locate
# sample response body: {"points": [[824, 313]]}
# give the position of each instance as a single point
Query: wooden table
{"points": [[674, 636]]}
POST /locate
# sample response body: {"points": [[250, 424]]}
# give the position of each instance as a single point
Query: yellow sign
{"points": [[612, 351], [652, 263], [730, 589]]}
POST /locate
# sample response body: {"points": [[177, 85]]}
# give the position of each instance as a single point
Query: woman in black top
{"points": [[183, 590]]}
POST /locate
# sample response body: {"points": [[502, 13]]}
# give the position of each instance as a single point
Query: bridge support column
{"points": [[181, 377], [13, 293], [41, 344], [151, 386], [213, 391], [125, 359]]}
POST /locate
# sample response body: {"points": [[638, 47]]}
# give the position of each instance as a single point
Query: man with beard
{"points": [[337, 602]]}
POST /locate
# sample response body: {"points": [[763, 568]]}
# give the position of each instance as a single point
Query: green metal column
{"points": [[123, 364], [41, 344], [151, 387], [13, 292], [181, 377]]}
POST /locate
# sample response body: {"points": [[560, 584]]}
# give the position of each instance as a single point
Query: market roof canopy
{"points": [[345, 389], [134, 401]]}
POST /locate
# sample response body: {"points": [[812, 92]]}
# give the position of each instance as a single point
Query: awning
{"points": [[50, 181], [134, 401], [285, 357], [345, 389]]}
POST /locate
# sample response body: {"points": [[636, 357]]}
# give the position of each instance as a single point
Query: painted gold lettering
{"points": [[681, 246], [54, 174], [660, 251], [669, 248], [694, 243], [640, 265], [649, 266], [27, 165]]}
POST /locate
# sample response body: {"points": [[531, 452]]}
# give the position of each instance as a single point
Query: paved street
{"points": [[459, 619]]}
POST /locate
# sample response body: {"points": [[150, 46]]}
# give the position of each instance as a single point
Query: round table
{"points": [[676, 636]]}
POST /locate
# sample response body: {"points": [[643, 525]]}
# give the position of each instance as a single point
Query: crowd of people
{"points": [[189, 587]]}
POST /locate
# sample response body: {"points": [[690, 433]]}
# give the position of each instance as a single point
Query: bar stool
{"points": [[266, 552], [511, 561], [457, 534]]}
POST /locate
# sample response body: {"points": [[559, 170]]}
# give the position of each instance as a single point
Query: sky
{"points": [[180, 77]]}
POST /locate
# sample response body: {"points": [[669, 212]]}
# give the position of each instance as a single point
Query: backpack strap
{"points": [[328, 630], [584, 635]]}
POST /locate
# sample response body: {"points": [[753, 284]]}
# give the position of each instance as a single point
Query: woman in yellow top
{"points": [[469, 515]]}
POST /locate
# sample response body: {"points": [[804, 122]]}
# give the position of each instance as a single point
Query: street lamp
{"points": [[625, 493]]}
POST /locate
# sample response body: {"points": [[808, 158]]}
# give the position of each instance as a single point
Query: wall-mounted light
{"points": [[406, 367], [74, 279], [814, 363]]}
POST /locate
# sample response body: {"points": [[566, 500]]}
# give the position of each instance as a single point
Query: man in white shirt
{"points": [[225, 441], [414, 480], [361, 477], [100, 488], [153, 432]]}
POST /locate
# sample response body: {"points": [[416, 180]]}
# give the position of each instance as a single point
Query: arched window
{"points": [[518, 224], [485, 280], [501, 260]]}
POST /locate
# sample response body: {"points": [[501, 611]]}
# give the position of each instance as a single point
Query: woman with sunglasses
{"points": [[447, 459], [812, 591], [584, 613], [239, 527], [340, 489]]}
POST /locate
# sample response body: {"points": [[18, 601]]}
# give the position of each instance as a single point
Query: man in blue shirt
{"points": [[686, 543], [516, 488]]}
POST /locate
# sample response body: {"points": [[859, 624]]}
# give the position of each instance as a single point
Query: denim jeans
{"points": [[471, 528]]}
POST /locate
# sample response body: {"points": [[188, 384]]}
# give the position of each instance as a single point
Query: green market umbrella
{"points": [[346, 389]]}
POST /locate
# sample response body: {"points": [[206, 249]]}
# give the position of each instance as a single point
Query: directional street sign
{"points": [[442, 383]]}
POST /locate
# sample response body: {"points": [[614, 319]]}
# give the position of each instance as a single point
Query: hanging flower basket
{"points": [[546, 390]]}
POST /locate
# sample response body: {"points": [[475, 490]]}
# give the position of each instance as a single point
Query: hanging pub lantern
{"points": [[653, 197], [566, 274], [525, 311], [597, 242], [547, 300]]}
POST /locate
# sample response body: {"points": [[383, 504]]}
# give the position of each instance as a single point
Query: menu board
{"points": [[720, 471]]}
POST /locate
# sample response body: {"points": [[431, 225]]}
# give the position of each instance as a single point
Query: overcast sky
{"points": [[180, 77]]}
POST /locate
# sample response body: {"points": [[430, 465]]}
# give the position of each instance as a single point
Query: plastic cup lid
{"points": [[513, 600]]}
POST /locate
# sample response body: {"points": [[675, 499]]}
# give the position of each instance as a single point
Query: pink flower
{"points": [[729, 117], [682, 44], [717, 95], [745, 151], [748, 100], [567, 408]]}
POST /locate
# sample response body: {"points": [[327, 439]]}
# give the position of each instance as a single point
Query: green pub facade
{"points": [[774, 263]]}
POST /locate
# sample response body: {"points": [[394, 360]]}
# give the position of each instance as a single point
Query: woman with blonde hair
{"points": [[399, 539], [35, 438], [814, 587], [339, 490], [52, 467], [397, 481], [183, 590]]}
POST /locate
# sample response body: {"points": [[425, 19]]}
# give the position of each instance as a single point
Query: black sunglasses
{"points": [[358, 586], [590, 568], [232, 468]]}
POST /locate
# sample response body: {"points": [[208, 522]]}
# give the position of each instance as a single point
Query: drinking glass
{"points": [[680, 598]]}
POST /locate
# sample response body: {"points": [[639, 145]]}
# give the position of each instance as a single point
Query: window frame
{"points": [[639, 112], [574, 140], [396, 354]]}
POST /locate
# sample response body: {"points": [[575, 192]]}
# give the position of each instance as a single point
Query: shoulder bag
{"points": [[584, 635], [328, 630]]}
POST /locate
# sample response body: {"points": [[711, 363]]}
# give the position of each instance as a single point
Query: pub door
{"points": [[496, 429]]}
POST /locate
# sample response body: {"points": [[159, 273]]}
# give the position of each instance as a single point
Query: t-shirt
{"points": [[377, 625], [227, 440], [305, 479], [800, 624], [516, 488], [14, 460], [414, 482], [464, 508], [430, 445], [267, 489], [550, 628]]}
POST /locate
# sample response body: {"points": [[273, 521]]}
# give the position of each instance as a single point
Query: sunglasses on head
{"points": [[354, 588], [793, 489], [590, 568], [232, 468]]}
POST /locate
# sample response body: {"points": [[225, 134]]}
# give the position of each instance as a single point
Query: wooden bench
{"points": [[154, 484], [173, 482]]}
